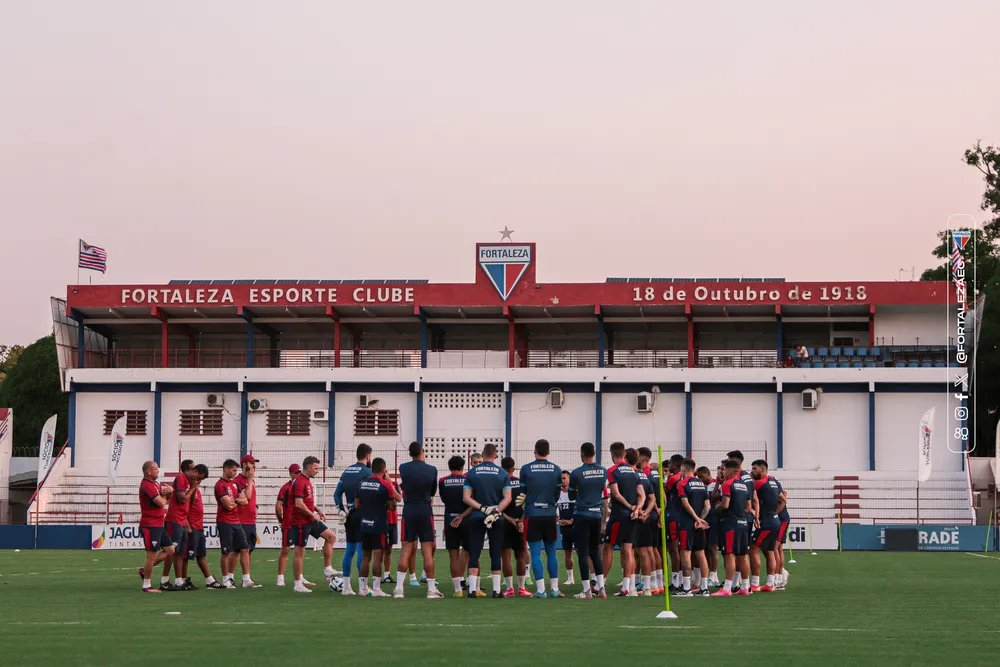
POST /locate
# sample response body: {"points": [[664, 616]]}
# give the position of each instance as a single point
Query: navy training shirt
{"points": [[565, 506], [419, 482], [694, 490], [451, 488], [542, 481], [587, 484], [487, 481], [513, 511], [627, 480], [767, 497], [783, 515], [738, 495], [352, 476], [373, 495]]}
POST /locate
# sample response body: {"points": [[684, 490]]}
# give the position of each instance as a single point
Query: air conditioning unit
{"points": [[257, 405], [556, 398], [215, 400], [363, 401], [644, 401], [810, 399], [320, 416]]}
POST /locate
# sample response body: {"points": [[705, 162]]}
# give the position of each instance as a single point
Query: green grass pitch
{"points": [[85, 608]]}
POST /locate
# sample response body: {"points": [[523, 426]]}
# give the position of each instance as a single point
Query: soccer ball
{"points": [[337, 584]]}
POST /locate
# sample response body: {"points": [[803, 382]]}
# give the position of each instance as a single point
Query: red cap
{"points": [[248, 459], [294, 469]]}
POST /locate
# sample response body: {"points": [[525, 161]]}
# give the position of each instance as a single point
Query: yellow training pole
{"points": [[989, 526], [668, 567]]}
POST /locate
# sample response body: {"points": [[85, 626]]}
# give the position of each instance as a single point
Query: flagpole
{"points": [[79, 244], [666, 613]]}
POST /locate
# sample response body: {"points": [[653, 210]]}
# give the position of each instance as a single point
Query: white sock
{"points": [[146, 583], [554, 581], [770, 580], [600, 581], [281, 580], [413, 577], [496, 583], [520, 581], [400, 578], [377, 584], [363, 585], [586, 585], [570, 578], [456, 583], [687, 583], [696, 577], [728, 585], [755, 581], [737, 578], [209, 579], [635, 580], [509, 581], [164, 580], [626, 584], [647, 581], [423, 574], [432, 584], [473, 583], [704, 583], [178, 581], [540, 585], [246, 579]]}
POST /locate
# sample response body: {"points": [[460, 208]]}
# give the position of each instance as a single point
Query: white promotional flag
{"points": [[924, 460], [117, 448], [45, 446]]}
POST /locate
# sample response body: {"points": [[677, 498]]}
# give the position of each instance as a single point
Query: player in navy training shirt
{"points": [[734, 506], [565, 520], [644, 534], [541, 480], [692, 525], [784, 518], [747, 479], [586, 486], [419, 482], [371, 501], [514, 544], [652, 470], [343, 497], [487, 492], [451, 489], [627, 500], [712, 535], [765, 537], [673, 467]]}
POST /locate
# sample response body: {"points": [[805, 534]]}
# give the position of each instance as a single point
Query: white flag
{"points": [[924, 460], [45, 446], [117, 448]]}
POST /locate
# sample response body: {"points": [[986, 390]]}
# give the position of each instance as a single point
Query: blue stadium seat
{"points": [[913, 364], [811, 351], [862, 351], [843, 364], [869, 364], [831, 364], [822, 352], [835, 351], [857, 363], [939, 363], [806, 364], [876, 352], [926, 364], [848, 351]]}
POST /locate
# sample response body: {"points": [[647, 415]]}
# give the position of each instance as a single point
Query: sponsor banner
{"points": [[117, 448], [925, 462], [859, 537], [815, 537], [128, 536], [46, 444]]}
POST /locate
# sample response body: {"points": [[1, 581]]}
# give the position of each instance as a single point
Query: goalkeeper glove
{"points": [[492, 515], [519, 501], [342, 516]]}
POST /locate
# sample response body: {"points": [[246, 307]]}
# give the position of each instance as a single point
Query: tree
{"points": [[32, 389], [8, 357], [983, 281]]}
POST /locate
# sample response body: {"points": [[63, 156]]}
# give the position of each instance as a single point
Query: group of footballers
{"points": [[518, 515]]}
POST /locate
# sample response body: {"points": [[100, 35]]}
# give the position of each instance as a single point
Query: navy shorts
{"points": [[735, 540], [373, 542], [455, 538], [766, 537], [513, 539], [250, 530], [299, 535], [232, 538], [690, 538], [644, 535], [196, 545], [352, 528], [541, 529], [619, 532], [177, 535], [566, 533], [392, 535], [712, 539], [153, 538], [783, 532], [418, 527]]}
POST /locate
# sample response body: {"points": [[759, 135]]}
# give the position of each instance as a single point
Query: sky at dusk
{"points": [[225, 139]]}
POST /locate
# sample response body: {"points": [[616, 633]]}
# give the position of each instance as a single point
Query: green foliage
{"points": [[32, 389], [9, 354]]}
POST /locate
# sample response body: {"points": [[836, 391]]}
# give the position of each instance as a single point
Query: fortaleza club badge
{"points": [[505, 265]]}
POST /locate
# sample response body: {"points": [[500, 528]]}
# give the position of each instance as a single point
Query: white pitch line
{"points": [[439, 625], [239, 623], [835, 629], [49, 623], [969, 553], [660, 627]]}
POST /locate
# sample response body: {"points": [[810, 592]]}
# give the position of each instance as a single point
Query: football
{"points": [[337, 584]]}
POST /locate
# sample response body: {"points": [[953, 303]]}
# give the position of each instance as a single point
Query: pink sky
{"points": [[383, 139]]}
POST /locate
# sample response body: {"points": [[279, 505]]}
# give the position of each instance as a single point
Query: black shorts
{"points": [[766, 537], [712, 538], [195, 545], [513, 539], [735, 540], [418, 527], [541, 529], [153, 538], [374, 542], [690, 538], [352, 528], [566, 537], [177, 536], [232, 538], [391, 535], [250, 530], [644, 535], [299, 535], [620, 532], [455, 538], [783, 532]]}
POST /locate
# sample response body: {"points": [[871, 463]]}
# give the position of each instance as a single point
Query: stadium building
{"points": [[212, 369]]}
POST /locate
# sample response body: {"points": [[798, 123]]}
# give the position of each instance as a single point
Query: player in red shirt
{"points": [[307, 520], [247, 485], [176, 523], [283, 510], [152, 507], [232, 539], [196, 537]]}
